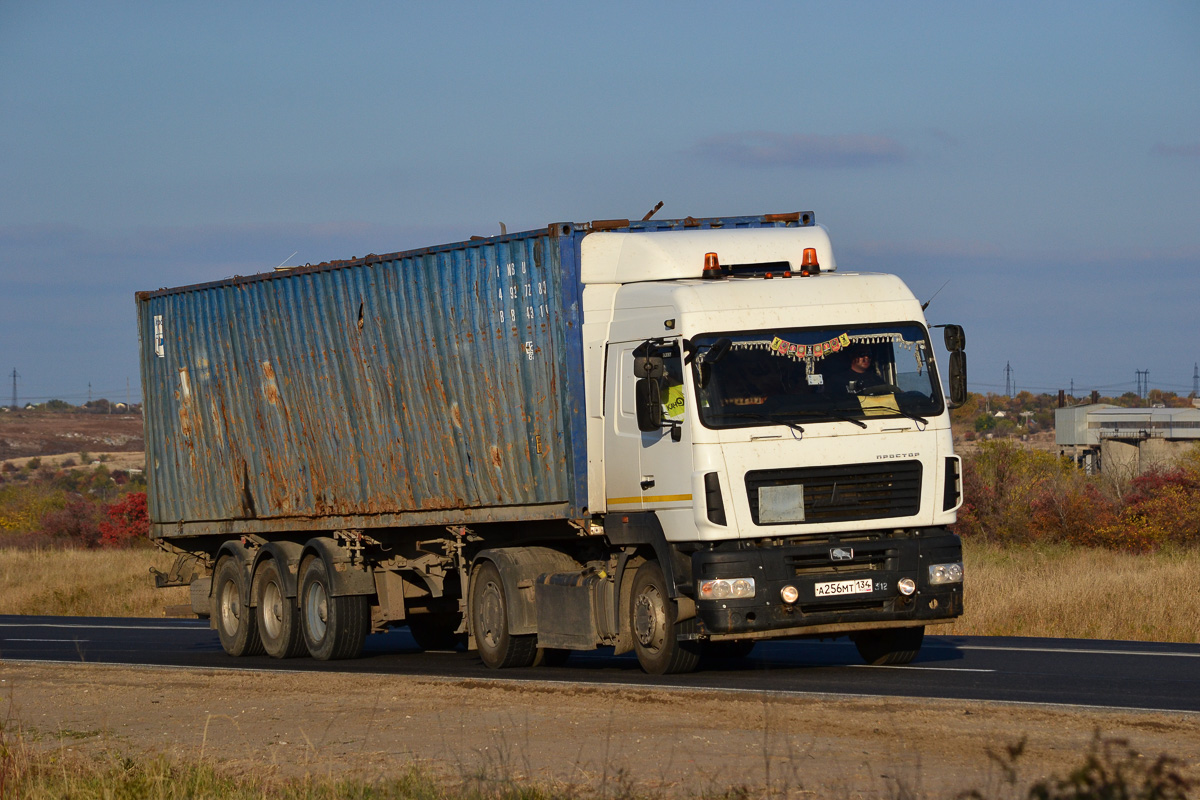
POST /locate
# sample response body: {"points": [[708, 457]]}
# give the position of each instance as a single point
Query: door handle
{"points": [[647, 482]]}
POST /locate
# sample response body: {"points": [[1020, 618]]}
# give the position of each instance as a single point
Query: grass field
{"points": [[1055, 591], [84, 583]]}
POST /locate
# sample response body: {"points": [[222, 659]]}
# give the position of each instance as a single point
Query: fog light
{"points": [[725, 588], [790, 594], [946, 573], [907, 586]]}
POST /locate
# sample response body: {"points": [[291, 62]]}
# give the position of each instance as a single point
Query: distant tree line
{"points": [[101, 406]]}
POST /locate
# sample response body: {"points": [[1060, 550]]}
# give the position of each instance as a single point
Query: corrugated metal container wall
{"points": [[435, 386]]}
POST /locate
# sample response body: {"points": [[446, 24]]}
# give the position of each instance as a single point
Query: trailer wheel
{"points": [[889, 647], [436, 631], [652, 616], [235, 622], [489, 623], [278, 617], [334, 627]]}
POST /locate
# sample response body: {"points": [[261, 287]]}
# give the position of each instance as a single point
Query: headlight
{"points": [[907, 586], [725, 588], [945, 573]]}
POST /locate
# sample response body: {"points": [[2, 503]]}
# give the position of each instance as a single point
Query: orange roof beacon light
{"points": [[712, 267], [808, 263]]}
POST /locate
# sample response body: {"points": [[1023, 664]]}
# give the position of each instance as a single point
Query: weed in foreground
{"points": [[1111, 770]]}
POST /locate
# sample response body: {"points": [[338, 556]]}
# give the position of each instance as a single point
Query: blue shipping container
{"points": [[435, 386]]}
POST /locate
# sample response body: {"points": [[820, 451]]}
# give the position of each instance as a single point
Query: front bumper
{"points": [[883, 561]]}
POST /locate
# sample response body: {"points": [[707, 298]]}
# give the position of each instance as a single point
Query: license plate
{"points": [[835, 588]]}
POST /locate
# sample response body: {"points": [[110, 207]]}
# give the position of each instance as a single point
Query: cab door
{"points": [[647, 470]]}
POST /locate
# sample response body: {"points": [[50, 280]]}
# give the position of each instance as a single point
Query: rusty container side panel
{"points": [[431, 386]]}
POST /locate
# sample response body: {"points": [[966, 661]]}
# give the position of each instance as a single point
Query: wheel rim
{"points": [[231, 607], [650, 619], [491, 614], [272, 602], [316, 611]]}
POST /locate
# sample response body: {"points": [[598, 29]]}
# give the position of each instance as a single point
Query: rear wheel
{"points": [[891, 646], [235, 622], [652, 618], [278, 617], [489, 624], [334, 627]]}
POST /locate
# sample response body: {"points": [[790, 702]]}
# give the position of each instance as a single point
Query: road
{"points": [[1134, 675]]}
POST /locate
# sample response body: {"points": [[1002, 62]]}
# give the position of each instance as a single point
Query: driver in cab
{"points": [[861, 375]]}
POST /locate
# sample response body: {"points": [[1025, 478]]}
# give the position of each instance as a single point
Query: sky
{"points": [[1038, 163]]}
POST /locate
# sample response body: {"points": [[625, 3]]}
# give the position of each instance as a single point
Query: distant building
{"points": [[1125, 440]]}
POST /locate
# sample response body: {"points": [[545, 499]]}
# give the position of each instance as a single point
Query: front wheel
{"points": [[652, 619], [334, 627], [489, 624], [235, 622], [889, 647]]}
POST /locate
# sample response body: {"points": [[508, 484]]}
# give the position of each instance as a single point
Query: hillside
{"points": [[42, 433]]}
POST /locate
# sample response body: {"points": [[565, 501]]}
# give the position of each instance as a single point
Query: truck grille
{"points": [[846, 492]]}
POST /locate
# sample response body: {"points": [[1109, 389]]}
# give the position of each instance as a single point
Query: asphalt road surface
{"points": [[1141, 675]]}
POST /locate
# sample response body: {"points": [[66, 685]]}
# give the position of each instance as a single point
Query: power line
{"points": [[14, 377], [1143, 382]]}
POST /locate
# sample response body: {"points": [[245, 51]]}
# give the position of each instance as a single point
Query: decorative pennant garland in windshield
{"points": [[782, 347]]}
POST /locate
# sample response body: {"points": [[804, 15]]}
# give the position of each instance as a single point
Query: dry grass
{"points": [[87, 583], [1079, 593]]}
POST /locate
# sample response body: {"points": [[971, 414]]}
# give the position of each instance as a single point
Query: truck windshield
{"points": [[795, 376]]}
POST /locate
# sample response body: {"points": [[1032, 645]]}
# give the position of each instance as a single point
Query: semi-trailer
{"points": [[661, 436]]}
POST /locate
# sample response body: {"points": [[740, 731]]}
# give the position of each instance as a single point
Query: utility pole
{"points": [[1143, 382], [1072, 388], [1196, 380], [1009, 386], [15, 375]]}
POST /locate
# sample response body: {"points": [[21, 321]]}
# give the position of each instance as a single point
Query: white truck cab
{"points": [[782, 426]]}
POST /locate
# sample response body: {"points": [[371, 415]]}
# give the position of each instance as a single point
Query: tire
{"points": [[235, 622], [277, 614], [652, 615], [892, 646], [489, 624], [334, 627], [436, 631]]}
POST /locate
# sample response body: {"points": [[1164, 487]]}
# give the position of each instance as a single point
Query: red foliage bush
{"points": [[78, 522], [1016, 495], [128, 521]]}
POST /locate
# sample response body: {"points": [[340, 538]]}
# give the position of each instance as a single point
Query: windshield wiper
{"points": [[829, 412], [763, 417]]}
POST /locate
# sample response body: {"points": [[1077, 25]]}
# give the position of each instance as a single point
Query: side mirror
{"points": [[956, 338], [958, 378], [648, 400]]}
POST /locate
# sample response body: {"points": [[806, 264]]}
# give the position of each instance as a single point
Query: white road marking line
{"points": [[1071, 650], [45, 640], [910, 667], [102, 627]]}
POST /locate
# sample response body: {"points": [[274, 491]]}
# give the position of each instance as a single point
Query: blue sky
{"points": [[1042, 158]]}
